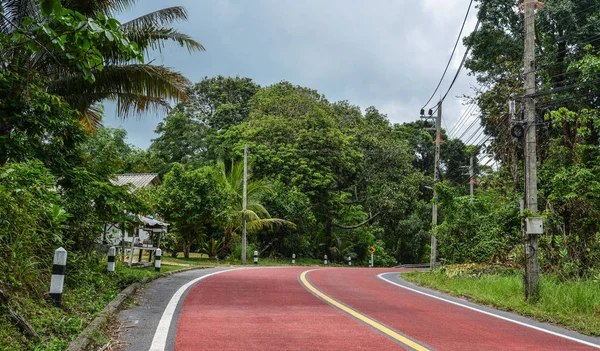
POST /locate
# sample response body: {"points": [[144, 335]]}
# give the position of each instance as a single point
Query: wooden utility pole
{"points": [[244, 203], [471, 176], [531, 240], [436, 178]]}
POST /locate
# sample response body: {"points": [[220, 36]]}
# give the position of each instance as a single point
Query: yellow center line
{"points": [[363, 318]]}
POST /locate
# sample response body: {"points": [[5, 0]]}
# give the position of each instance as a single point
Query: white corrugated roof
{"points": [[137, 180], [152, 221]]}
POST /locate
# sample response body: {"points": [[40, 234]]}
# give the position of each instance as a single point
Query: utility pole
{"points": [[244, 203], [531, 239], [471, 176], [436, 178]]}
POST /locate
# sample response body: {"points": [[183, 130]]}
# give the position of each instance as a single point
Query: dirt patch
{"points": [[175, 263]]}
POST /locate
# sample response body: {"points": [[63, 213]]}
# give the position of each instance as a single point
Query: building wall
{"points": [[114, 236]]}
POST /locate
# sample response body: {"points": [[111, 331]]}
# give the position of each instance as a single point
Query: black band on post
{"points": [[58, 269], [57, 298]]}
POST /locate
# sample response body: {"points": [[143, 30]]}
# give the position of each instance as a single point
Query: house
{"points": [[137, 180], [143, 235]]}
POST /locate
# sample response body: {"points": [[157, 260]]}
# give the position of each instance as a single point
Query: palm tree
{"points": [[341, 249], [256, 215], [211, 247], [134, 86]]}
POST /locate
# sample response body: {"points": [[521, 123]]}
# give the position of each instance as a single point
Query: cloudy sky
{"points": [[384, 53]]}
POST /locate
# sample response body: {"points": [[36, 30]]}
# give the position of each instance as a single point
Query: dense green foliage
{"points": [[487, 228], [344, 178], [58, 60]]}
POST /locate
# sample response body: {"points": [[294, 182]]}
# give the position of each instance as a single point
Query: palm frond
{"points": [[152, 38], [14, 11], [255, 223], [158, 18], [258, 188], [92, 7], [236, 177], [135, 87], [138, 103], [268, 223], [258, 209], [229, 180], [91, 118]]}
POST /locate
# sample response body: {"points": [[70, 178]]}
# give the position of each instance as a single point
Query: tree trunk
{"points": [[328, 236], [226, 245], [187, 245], [4, 134]]}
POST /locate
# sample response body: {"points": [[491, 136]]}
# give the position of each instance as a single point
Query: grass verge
{"points": [[574, 304], [197, 259], [85, 294]]}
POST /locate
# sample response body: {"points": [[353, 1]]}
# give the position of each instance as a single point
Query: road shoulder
{"points": [[139, 322], [396, 279]]}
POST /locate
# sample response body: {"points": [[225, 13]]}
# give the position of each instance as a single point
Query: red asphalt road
{"points": [[268, 309], [439, 325]]}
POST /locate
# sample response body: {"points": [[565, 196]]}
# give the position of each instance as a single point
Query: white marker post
{"points": [[110, 267], [255, 257], [157, 260], [293, 258], [325, 260], [58, 275], [349, 260], [372, 262]]}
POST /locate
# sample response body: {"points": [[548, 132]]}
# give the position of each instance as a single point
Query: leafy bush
{"points": [[484, 228], [27, 225], [382, 257]]}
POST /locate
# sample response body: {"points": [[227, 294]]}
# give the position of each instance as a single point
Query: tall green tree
{"points": [[191, 200], [294, 136], [188, 135]]}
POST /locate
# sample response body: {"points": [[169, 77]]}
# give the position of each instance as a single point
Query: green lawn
{"points": [[574, 304]]}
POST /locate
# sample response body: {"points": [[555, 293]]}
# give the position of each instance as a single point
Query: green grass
{"points": [[573, 304], [288, 262], [84, 296], [197, 259]]}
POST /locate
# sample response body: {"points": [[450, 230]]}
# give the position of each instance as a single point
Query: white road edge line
{"points": [[162, 331], [380, 276]]}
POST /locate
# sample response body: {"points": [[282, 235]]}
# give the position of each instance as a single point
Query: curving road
{"points": [[324, 309]]}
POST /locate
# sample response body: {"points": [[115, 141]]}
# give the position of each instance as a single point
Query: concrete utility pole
{"points": [[471, 176], [436, 178], [531, 240], [244, 203]]}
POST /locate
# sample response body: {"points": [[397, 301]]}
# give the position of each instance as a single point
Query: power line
{"points": [[451, 55], [561, 89], [462, 118], [462, 63], [469, 128]]}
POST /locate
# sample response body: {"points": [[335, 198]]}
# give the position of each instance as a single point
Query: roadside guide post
{"points": [[255, 257], [157, 257], [58, 275], [112, 252]]}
